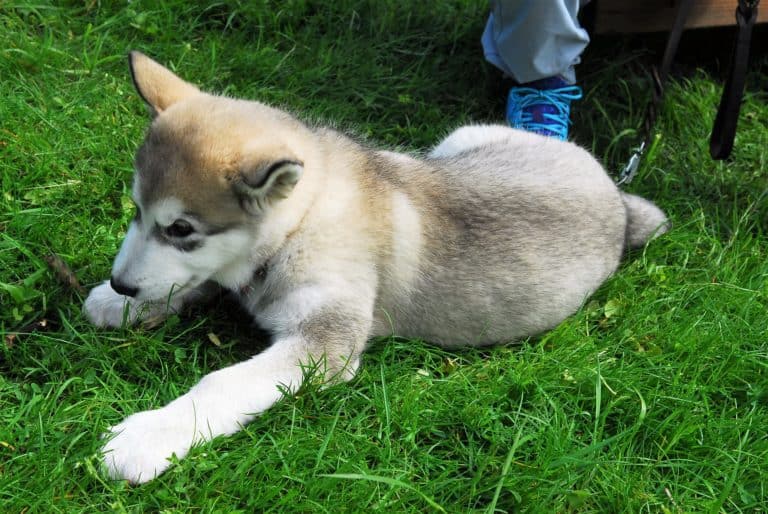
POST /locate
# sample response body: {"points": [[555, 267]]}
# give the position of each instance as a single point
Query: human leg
{"points": [[538, 43]]}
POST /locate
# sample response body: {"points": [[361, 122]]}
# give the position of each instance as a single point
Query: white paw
{"points": [[105, 308], [140, 447]]}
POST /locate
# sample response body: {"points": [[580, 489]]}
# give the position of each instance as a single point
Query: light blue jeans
{"points": [[535, 39]]}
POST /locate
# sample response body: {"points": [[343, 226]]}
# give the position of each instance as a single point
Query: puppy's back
{"points": [[515, 235]]}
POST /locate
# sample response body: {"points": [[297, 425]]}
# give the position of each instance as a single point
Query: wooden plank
{"points": [[658, 15]]}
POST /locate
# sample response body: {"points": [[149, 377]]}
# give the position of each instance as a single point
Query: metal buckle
{"points": [[630, 169], [747, 11]]}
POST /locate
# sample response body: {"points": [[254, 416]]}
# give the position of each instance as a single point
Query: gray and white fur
{"points": [[495, 235]]}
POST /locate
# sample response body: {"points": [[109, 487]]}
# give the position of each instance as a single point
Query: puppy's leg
{"points": [[469, 137], [106, 308], [225, 400]]}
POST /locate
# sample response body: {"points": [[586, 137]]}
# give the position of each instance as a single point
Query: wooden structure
{"points": [[657, 15]]}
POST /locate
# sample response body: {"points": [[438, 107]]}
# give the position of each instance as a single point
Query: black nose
{"points": [[122, 288]]}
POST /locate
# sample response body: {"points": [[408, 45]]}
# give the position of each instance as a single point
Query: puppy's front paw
{"points": [[105, 308], [140, 447]]}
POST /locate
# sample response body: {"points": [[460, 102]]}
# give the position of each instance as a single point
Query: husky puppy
{"points": [[495, 235]]}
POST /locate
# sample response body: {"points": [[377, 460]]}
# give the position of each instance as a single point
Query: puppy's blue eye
{"points": [[179, 228]]}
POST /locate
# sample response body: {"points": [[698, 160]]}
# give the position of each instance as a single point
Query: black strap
{"points": [[724, 129], [660, 77]]}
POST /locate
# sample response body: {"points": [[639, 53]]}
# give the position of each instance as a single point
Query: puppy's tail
{"points": [[644, 220]]}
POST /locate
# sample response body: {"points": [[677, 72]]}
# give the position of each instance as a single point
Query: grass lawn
{"points": [[652, 398]]}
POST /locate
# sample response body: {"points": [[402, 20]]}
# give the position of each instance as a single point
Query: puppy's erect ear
{"points": [[266, 182], [156, 84]]}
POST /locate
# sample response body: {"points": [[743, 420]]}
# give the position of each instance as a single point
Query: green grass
{"points": [[652, 398]]}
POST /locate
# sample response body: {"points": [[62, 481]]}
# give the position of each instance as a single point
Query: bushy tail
{"points": [[644, 220]]}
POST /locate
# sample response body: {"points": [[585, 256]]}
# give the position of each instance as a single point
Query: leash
{"points": [[724, 128], [659, 78]]}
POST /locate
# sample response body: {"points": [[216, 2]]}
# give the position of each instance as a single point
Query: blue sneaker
{"points": [[542, 106]]}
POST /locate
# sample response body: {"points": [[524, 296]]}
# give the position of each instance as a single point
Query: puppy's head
{"points": [[210, 177]]}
